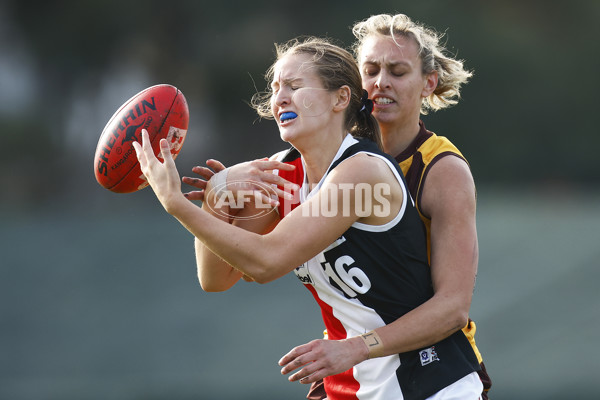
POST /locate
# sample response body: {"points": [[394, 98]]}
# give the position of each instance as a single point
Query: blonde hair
{"points": [[451, 72], [335, 67]]}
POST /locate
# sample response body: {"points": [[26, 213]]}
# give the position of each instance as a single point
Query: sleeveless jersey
{"points": [[415, 161], [368, 278]]}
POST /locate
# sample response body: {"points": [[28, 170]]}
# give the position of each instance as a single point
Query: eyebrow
{"points": [[288, 81], [389, 64]]}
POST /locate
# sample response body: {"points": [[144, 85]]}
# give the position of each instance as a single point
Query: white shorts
{"points": [[467, 388]]}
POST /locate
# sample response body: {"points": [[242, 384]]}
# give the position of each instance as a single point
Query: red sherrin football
{"points": [[163, 111]]}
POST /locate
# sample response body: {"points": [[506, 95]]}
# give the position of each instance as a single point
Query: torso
{"points": [[369, 277]]}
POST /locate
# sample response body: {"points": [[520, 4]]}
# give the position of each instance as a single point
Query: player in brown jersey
{"points": [[407, 72]]}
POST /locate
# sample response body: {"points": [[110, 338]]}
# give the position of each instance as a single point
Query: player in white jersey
{"points": [[354, 202]]}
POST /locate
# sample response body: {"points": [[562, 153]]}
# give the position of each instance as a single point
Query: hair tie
{"points": [[367, 104]]}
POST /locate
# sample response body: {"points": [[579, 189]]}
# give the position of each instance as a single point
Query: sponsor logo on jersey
{"points": [[428, 356], [303, 274]]}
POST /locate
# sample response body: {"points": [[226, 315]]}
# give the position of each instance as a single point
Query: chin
{"points": [[286, 136], [383, 116]]}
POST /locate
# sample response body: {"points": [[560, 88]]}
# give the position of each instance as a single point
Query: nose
{"points": [[280, 97], [382, 80]]}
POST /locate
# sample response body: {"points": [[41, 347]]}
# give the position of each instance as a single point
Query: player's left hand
{"points": [[320, 358], [205, 173], [162, 176]]}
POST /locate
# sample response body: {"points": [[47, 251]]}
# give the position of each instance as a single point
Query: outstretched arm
{"points": [[262, 257]]}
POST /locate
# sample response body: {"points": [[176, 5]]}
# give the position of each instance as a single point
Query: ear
{"points": [[431, 82], [341, 99]]}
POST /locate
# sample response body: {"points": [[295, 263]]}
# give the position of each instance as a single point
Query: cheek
{"points": [[368, 85]]}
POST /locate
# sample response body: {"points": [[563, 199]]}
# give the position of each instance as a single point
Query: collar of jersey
{"points": [[305, 194]]}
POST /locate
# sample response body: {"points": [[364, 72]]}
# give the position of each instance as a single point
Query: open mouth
{"points": [[383, 101], [287, 116]]}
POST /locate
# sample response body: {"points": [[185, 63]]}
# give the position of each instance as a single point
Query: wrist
{"points": [[175, 203], [373, 344], [214, 203], [217, 184], [361, 348]]}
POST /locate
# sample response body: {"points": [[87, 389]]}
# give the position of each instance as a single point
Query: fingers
{"points": [[165, 151], [293, 359], [257, 171], [196, 195], [195, 182], [283, 194], [204, 172], [262, 172], [318, 359], [216, 165], [273, 164], [146, 145], [144, 151], [305, 358], [138, 152], [253, 175], [310, 374]]}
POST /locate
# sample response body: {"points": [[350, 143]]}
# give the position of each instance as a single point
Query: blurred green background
{"points": [[98, 294]]}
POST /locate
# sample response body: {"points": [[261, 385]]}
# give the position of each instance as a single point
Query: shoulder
{"points": [[436, 147], [448, 184], [362, 167], [450, 171]]}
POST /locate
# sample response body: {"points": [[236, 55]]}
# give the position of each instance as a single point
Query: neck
{"points": [[396, 138], [319, 158]]}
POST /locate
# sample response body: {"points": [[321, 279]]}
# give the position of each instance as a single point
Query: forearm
{"points": [[214, 274], [431, 322], [247, 252], [243, 250]]}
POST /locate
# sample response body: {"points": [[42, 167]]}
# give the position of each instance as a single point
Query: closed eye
{"points": [[371, 70]]}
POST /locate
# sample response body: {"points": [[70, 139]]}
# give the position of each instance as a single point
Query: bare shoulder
{"points": [[362, 167], [383, 187], [449, 185]]}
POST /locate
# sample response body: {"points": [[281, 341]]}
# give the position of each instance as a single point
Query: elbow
{"points": [[456, 312], [461, 319], [262, 277], [211, 287], [211, 284], [460, 314], [266, 272]]}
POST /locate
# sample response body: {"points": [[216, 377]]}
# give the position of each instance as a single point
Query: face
{"points": [[300, 104], [392, 75]]}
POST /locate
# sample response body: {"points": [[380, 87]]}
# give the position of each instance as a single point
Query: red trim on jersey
{"points": [[342, 386], [295, 176]]}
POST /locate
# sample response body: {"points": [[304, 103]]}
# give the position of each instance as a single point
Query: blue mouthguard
{"points": [[288, 115]]}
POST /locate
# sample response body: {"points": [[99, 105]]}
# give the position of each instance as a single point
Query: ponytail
{"points": [[365, 125]]}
